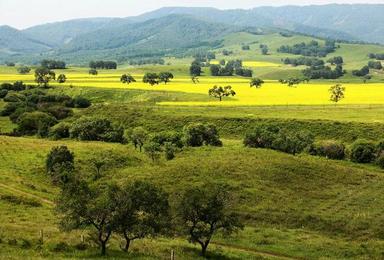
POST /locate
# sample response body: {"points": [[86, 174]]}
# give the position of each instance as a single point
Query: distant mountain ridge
{"points": [[190, 27]]}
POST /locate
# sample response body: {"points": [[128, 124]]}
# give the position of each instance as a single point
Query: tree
{"points": [[93, 72], [264, 50], [153, 150], [195, 69], [127, 78], [81, 205], [61, 78], [59, 164], [337, 93], [165, 77], [205, 211], [24, 70], [143, 210], [220, 92], [138, 136], [256, 82], [363, 151], [43, 76], [151, 78]]}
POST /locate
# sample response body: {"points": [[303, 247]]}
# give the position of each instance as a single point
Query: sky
{"points": [[26, 13]]}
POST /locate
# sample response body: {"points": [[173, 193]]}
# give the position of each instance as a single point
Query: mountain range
{"points": [[178, 29]]}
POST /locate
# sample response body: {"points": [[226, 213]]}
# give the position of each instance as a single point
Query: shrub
{"points": [[362, 151], [292, 143], [58, 111], [31, 123], [96, 129], [169, 150], [330, 149], [25, 244], [13, 97], [3, 93], [24, 70], [59, 155], [197, 134], [261, 136], [60, 131], [60, 247], [81, 102], [380, 160]]}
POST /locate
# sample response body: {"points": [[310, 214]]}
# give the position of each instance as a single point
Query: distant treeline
{"points": [[309, 49], [147, 61], [53, 64], [303, 61], [108, 65]]}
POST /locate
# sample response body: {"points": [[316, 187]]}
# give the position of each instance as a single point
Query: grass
{"points": [[295, 206]]}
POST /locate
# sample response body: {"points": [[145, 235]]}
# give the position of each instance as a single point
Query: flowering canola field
{"points": [[271, 93]]}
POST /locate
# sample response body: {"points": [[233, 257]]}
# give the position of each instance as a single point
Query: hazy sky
{"points": [[26, 13]]}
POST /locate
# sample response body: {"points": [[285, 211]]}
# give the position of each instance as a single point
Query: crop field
{"points": [[271, 93]]}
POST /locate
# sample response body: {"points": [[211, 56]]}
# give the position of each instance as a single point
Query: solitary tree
{"points": [[204, 211], [256, 82], [151, 78], [337, 93], [127, 78], [43, 76], [61, 78], [195, 69], [84, 205], [142, 211], [138, 136], [220, 92], [165, 77], [60, 164]]}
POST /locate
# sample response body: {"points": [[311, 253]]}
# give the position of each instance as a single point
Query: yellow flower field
{"points": [[271, 93]]}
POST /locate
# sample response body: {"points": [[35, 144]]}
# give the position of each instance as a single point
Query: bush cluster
{"points": [[273, 137]]}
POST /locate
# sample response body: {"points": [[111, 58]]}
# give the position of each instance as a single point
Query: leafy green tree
{"points": [[43, 76], [256, 82], [138, 137], [151, 78], [143, 211], [31, 123], [205, 211], [61, 78], [127, 78], [153, 150], [220, 92], [165, 77], [337, 93], [195, 69], [291, 81], [60, 164], [81, 205], [24, 70]]}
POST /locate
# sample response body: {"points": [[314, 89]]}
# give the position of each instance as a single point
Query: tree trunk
{"points": [[204, 249], [127, 243], [220, 98], [103, 247]]}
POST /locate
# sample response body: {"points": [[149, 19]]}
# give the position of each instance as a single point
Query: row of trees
{"points": [[108, 65], [53, 64], [307, 61], [377, 56], [138, 209], [229, 68]]}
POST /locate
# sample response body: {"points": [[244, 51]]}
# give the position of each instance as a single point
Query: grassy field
{"points": [[293, 206]]}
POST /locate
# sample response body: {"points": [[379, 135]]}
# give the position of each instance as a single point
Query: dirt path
{"points": [[20, 192]]}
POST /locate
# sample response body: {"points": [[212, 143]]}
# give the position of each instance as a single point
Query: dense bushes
{"points": [[361, 72], [96, 129], [324, 72], [330, 149], [31, 123], [303, 61], [198, 134], [363, 151], [278, 139], [53, 64]]}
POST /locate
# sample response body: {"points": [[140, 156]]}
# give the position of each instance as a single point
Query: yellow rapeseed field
{"points": [[271, 93]]}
